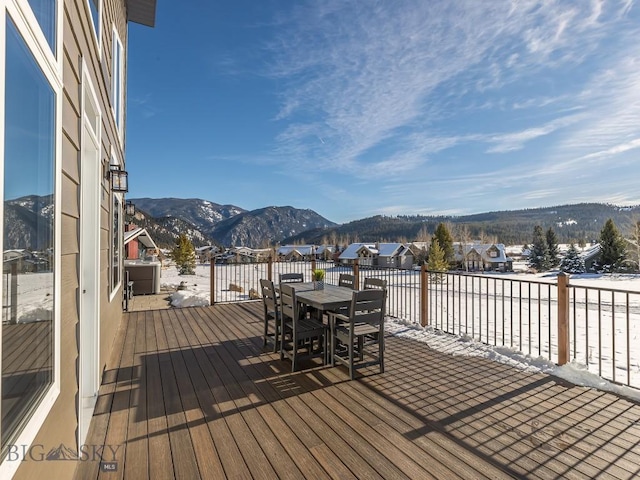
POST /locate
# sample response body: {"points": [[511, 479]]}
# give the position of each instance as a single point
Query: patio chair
{"points": [[347, 280], [374, 284], [271, 313], [364, 326], [291, 278], [302, 337]]}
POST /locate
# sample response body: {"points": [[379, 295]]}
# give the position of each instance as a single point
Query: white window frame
{"points": [[51, 66], [117, 83], [97, 35], [89, 304], [116, 288]]}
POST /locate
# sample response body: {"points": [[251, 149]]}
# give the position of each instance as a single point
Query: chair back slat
{"points": [[374, 284], [289, 305], [367, 306], [291, 278], [347, 280], [269, 294]]}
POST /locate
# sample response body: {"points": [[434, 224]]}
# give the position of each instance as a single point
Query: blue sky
{"points": [[358, 108]]}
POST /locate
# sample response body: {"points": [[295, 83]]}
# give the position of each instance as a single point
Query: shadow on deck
{"points": [[190, 393]]}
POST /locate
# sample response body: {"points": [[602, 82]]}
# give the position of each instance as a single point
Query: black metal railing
{"points": [[597, 328]]}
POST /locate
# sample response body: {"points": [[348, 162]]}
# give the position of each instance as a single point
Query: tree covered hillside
{"points": [[571, 223]]}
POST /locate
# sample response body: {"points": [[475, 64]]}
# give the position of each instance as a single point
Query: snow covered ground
{"points": [[196, 293], [34, 297]]}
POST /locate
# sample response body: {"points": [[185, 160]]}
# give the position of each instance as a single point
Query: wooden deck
{"points": [[190, 394]]}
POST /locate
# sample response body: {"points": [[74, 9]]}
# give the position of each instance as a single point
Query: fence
{"points": [[238, 282], [597, 328], [605, 332], [555, 320], [10, 293]]}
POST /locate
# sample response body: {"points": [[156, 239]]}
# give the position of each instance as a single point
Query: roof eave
{"points": [[142, 12]]}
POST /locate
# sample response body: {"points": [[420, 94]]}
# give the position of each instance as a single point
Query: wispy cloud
{"points": [[393, 89], [516, 140]]}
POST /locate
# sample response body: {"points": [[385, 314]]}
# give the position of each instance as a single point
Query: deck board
{"points": [[191, 393]]}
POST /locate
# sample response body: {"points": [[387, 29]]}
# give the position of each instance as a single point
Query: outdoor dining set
{"points": [[336, 323]]}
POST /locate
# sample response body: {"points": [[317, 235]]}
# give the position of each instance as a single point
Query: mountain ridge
{"points": [[209, 222], [272, 225]]}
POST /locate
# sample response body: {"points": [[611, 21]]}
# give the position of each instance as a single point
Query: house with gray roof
{"points": [[389, 255], [475, 257], [298, 253]]}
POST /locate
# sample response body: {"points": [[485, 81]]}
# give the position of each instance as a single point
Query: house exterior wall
{"points": [[132, 251], [406, 261], [79, 47]]}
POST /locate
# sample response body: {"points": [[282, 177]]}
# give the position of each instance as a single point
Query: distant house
{"points": [[245, 255], [138, 244], [206, 253], [20, 260], [590, 256], [395, 255], [15, 255], [363, 252], [475, 257], [388, 255], [324, 252], [295, 253], [300, 253]]}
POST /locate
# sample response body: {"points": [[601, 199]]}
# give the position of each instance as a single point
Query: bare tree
{"points": [[463, 235], [635, 236], [265, 243], [333, 237], [423, 235], [486, 239]]}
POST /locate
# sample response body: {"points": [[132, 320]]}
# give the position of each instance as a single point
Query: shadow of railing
{"points": [[524, 424]]}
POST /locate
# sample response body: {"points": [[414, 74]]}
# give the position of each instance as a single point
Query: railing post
{"points": [[313, 265], [270, 269], [424, 296], [212, 282], [356, 274], [14, 293], [563, 318]]}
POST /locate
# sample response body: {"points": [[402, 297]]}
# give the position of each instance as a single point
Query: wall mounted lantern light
{"points": [[119, 178], [129, 208]]}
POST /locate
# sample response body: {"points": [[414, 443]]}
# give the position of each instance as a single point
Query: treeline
{"points": [[571, 223]]}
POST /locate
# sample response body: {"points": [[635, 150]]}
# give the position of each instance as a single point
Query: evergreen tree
{"points": [[612, 248], [445, 241], [436, 261], [572, 261], [184, 255], [539, 251], [554, 250]]}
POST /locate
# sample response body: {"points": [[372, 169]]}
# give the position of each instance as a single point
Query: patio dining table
{"points": [[330, 298]]}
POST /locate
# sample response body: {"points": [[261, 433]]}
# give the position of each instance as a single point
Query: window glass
{"points": [[94, 6], [116, 84], [91, 114], [115, 243], [28, 233], [45, 12]]}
